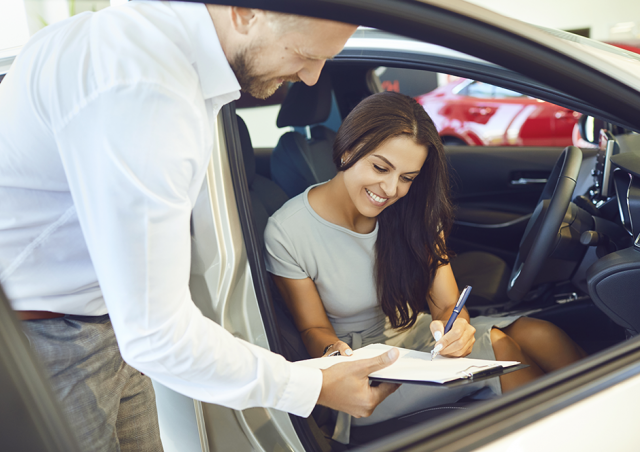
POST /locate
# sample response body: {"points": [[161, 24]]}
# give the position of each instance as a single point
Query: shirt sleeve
{"points": [[280, 256], [130, 155]]}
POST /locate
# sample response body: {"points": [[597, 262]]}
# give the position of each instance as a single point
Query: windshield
{"points": [[372, 38], [600, 48], [616, 58]]}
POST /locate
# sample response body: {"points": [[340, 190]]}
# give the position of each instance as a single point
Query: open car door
{"points": [[30, 417]]}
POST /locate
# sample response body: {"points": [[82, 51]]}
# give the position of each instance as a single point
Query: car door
{"points": [[30, 417]]}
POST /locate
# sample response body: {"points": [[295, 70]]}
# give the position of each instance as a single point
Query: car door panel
{"points": [[495, 190]]}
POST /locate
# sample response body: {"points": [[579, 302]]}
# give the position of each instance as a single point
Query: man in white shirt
{"points": [[106, 127]]}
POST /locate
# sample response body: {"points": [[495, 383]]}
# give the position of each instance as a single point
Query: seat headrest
{"points": [[306, 105], [247, 150]]}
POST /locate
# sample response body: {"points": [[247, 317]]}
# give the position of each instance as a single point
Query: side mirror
{"points": [[589, 128]]}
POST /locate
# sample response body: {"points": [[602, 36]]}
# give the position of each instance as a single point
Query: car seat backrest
{"points": [[266, 198], [298, 162]]}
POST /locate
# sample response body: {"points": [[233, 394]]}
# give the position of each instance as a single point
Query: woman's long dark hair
{"points": [[410, 246]]}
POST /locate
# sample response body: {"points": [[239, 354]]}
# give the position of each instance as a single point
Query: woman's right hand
{"points": [[458, 342], [340, 346]]}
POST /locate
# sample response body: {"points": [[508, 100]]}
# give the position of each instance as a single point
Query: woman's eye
{"points": [[407, 179], [379, 168]]}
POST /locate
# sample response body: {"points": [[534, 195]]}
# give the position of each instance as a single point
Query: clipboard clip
{"points": [[480, 371]]}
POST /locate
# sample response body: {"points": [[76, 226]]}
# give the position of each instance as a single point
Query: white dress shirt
{"points": [[106, 128]]}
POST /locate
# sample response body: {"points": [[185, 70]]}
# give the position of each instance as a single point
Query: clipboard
{"points": [[469, 377], [416, 367]]}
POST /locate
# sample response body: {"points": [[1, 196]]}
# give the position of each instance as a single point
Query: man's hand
{"points": [[458, 342], [345, 386]]}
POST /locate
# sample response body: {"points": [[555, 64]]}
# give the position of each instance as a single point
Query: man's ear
{"points": [[243, 18]]}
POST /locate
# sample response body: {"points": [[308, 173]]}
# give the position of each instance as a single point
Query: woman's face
{"points": [[382, 177]]}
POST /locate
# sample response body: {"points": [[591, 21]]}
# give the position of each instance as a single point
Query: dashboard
{"points": [[626, 183], [613, 280]]}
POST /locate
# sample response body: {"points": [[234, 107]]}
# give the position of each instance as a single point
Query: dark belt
{"points": [[38, 315]]}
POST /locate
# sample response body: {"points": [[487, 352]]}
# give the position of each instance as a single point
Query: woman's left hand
{"points": [[458, 342]]}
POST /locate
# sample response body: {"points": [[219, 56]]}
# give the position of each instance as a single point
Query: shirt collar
{"points": [[216, 76]]}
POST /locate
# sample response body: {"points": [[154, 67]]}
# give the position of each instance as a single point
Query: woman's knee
{"points": [[535, 332], [504, 347]]}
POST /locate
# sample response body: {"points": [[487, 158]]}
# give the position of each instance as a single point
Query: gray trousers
{"points": [[110, 405]]}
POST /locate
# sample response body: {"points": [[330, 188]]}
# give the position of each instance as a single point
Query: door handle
{"points": [[528, 181]]}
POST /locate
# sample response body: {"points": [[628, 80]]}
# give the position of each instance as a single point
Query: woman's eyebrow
{"points": [[384, 159]]}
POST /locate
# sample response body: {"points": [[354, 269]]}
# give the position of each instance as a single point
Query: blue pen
{"points": [[454, 315]]}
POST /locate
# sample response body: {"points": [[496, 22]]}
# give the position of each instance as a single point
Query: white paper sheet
{"points": [[413, 365]]}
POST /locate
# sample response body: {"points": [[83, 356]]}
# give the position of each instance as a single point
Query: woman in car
{"points": [[362, 259]]}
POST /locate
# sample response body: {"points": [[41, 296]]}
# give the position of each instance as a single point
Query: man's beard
{"points": [[247, 75]]}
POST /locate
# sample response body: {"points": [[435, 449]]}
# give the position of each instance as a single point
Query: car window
{"points": [[262, 122], [503, 93], [480, 90], [483, 90], [260, 115], [475, 113]]}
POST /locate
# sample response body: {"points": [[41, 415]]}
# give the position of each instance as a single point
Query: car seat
{"points": [[266, 196], [297, 161]]}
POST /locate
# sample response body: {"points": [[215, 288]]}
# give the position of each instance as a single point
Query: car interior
{"points": [[503, 204]]}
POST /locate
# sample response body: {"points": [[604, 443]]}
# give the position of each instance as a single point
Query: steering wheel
{"points": [[542, 230]]}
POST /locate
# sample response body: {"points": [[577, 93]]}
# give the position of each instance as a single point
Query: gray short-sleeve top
{"points": [[300, 244]]}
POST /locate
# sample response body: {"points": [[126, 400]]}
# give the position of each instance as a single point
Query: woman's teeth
{"points": [[375, 197]]}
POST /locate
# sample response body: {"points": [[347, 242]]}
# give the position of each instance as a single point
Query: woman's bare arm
{"points": [[444, 295], [302, 298]]}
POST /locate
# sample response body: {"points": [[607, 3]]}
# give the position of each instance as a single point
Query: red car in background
{"points": [[468, 112], [632, 45]]}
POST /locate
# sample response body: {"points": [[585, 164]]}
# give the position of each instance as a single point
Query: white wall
{"points": [[19, 19], [13, 25], [598, 15]]}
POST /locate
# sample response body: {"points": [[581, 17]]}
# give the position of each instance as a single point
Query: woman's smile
{"points": [[375, 199]]}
